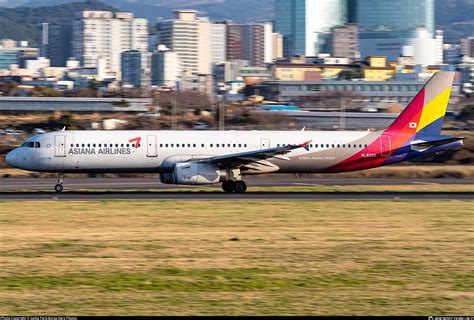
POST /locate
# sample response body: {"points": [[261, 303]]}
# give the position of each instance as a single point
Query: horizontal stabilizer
{"points": [[425, 145]]}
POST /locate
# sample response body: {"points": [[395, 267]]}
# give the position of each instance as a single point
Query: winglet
{"points": [[306, 145]]}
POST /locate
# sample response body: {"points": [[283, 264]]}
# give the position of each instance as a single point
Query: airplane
{"points": [[211, 157]]}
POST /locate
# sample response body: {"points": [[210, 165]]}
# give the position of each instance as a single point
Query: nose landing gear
{"points": [[59, 186]]}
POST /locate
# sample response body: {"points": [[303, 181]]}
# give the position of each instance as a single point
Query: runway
{"points": [[216, 196], [142, 184], [151, 189]]}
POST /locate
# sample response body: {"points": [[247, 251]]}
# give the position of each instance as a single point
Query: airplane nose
{"points": [[11, 158]]}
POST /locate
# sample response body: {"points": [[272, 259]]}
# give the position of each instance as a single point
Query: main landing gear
{"points": [[59, 186], [238, 186]]}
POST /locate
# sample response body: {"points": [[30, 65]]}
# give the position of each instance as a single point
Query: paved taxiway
{"points": [[139, 189]]}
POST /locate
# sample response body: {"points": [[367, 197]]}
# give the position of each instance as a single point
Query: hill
{"points": [[452, 16], [23, 23]]}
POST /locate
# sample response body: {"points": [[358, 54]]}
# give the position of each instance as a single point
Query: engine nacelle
{"points": [[194, 173]]}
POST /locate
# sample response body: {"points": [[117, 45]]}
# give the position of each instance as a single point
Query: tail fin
{"points": [[425, 113]]}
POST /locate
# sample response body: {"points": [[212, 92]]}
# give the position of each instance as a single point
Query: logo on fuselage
{"points": [[118, 149]]}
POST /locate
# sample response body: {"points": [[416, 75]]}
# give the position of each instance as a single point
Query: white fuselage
{"points": [[158, 151]]}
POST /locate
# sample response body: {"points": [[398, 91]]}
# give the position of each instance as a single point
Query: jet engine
{"points": [[194, 173]]}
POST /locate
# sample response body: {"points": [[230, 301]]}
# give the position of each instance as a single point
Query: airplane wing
{"points": [[424, 145], [257, 156]]}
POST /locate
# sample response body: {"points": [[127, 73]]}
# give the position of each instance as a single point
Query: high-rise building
{"points": [[386, 27], [136, 68], [56, 43], [395, 17], [105, 35], [252, 42], [218, 43], [345, 42], [467, 47], [277, 46], [190, 37], [306, 24], [166, 67]]}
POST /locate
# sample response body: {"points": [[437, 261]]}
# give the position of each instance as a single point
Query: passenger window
{"points": [[245, 145], [77, 145], [217, 145], [202, 145], [234, 145], [116, 145], [212, 145], [228, 145], [166, 145], [338, 145], [189, 145], [240, 146], [183, 145], [72, 146], [194, 145], [121, 146], [327, 146], [88, 145], [83, 145], [100, 145]]}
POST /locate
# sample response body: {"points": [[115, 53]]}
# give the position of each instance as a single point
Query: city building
{"points": [[306, 24], [378, 69], [228, 71], [277, 46], [451, 53], [375, 91], [386, 27], [467, 47], [16, 53], [188, 36], [345, 42], [166, 68], [37, 65], [136, 68], [290, 71], [218, 43], [105, 35], [196, 82], [252, 42], [56, 43]]}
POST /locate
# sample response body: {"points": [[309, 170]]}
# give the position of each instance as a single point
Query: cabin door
{"points": [[152, 150], [385, 146], [60, 146]]}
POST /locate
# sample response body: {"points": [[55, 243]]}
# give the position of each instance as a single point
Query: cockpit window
{"points": [[30, 145], [37, 145]]}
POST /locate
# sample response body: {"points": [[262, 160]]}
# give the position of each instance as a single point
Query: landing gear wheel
{"points": [[240, 186], [228, 186], [58, 188]]}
